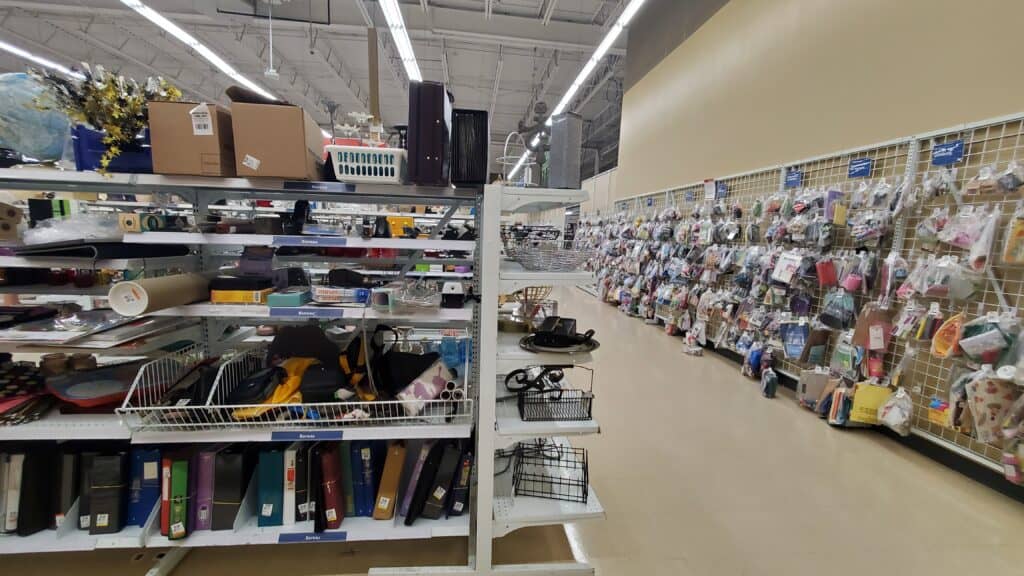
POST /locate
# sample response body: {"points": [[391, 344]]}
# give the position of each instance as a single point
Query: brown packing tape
{"points": [[139, 297]]}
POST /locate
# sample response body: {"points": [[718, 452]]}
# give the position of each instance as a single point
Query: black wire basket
{"points": [[555, 405], [552, 471]]}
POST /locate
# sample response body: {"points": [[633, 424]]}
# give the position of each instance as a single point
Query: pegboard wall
{"points": [[992, 143]]}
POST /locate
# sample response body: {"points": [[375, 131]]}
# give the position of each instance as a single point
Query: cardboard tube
{"points": [[138, 297]]}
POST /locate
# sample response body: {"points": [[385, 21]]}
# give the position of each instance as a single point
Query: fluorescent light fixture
{"points": [[588, 69], [44, 62], [200, 48], [393, 14]]}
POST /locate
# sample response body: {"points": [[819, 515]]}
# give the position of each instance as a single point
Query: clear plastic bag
{"points": [[929, 228], [985, 182], [1012, 178], [895, 412], [1013, 244], [964, 228], [977, 258]]}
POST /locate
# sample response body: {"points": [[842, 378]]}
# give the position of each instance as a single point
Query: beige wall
{"points": [[765, 82], [602, 192]]}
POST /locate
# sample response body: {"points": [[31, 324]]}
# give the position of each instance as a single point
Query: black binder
{"points": [[430, 124], [84, 485], [65, 487], [442, 486], [302, 483], [232, 471], [108, 494], [470, 145], [425, 483], [35, 509]]}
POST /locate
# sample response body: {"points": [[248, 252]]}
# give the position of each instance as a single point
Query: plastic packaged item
{"points": [[988, 339], [977, 258], [945, 342], [984, 182], [964, 228], [1012, 178], [989, 398], [928, 229], [895, 412], [1013, 244], [908, 321]]}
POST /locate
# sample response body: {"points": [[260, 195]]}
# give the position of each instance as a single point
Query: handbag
{"points": [[395, 369]]}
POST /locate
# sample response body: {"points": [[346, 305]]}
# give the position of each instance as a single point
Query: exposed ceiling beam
{"points": [[334, 62], [549, 11], [444, 62], [546, 80], [386, 49], [487, 9], [425, 5], [596, 86], [494, 91]]}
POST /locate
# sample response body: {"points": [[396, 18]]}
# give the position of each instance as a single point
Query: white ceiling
{"points": [[320, 52]]}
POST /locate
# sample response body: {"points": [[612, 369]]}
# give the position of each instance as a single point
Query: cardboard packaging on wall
{"points": [[278, 141], [191, 138]]}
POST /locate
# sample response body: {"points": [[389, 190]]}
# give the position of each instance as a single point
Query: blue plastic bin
{"points": [[89, 148]]}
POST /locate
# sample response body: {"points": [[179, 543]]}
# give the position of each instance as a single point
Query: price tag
{"points": [[331, 514], [178, 529], [149, 471], [84, 522], [267, 510], [202, 124], [876, 337], [102, 520], [365, 454], [457, 507], [251, 162], [439, 493], [383, 502]]}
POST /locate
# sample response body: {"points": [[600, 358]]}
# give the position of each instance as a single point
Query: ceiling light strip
{"points": [[393, 14], [200, 48], [44, 62], [588, 69]]}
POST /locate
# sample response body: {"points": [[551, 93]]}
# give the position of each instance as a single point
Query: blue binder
{"points": [[144, 487], [270, 488]]}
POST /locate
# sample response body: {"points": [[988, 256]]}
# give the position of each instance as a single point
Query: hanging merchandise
{"points": [[794, 336], [989, 398], [985, 182], [945, 342], [1013, 244], [1012, 178], [977, 258], [965, 228], [896, 411], [958, 414], [874, 327], [930, 323], [909, 320], [838, 310], [988, 339]]}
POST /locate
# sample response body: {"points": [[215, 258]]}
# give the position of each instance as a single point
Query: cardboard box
{"points": [[190, 138], [276, 141]]}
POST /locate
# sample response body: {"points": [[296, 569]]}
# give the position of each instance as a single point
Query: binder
{"points": [[144, 487], [85, 489], [232, 472], [66, 487], [330, 485], [165, 494], [460, 488], [288, 481], [270, 487], [178, 520], [302, 483], [417, 469], [316, 494], [15, 463], [4, 465], [190, 493], [359, 489], [385, 504], [348, 487], [440, 490], [424, 483], [35, 507], [205, 464], [107, 494]]}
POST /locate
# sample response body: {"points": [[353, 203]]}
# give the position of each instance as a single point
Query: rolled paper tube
{"points": [[458, 395], [449, 385], [446, 395], [138, 297]]}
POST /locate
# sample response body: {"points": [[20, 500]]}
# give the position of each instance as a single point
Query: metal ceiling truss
{"points": [[549, 11], [387, 49]]}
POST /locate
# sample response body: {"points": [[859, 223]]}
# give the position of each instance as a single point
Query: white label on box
{"points": [[876, 338], [203, 513], [383, 502], [331, 514], [267, 510], [303, 508], [366, 454], [58, 519], [149, 471], [183, 402], [102, 520], [439, 493], [457, 507], [84, 522], [177, 529], [202, 124], [251, 162]]}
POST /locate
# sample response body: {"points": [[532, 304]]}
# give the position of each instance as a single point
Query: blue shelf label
{"points": [[689, 196], [312, 537], [300, 435], [330, 242], [860, 168], [948, 153], [794, 178], [284, 312], [339, 187], [650, 201], [721, 190]]}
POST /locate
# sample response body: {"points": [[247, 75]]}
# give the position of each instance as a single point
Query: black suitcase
{"points": [[430, 120], [470, 141]]}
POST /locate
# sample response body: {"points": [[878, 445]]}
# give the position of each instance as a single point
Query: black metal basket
{"points": [[552, 471], [555, 405]]}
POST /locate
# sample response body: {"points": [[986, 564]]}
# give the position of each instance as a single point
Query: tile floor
{"points": [[699, 476]]}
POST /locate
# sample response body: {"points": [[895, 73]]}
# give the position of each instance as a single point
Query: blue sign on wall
{"points": [[794, 178], [689, 196], [948, 153], [721, 190], [650, 201], [860, 168]]}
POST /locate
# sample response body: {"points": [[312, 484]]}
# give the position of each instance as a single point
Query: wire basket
{"points": [[558, 403], [551, 470], [547, 256]]}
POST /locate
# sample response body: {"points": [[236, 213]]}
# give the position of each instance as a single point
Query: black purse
{"points": [[394, 369]]}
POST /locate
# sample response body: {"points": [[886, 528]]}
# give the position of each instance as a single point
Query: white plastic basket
{"points": [[364, 164]]}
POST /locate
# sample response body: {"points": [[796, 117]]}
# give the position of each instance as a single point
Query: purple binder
{"points": [[203, 519], [414, 478]]}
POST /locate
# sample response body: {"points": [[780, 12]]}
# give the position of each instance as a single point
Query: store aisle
{"points": [[700, 475]]}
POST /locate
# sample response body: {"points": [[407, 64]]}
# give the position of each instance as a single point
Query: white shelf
{"points": [[284, 433], [68, 538], [186, 262], [207, 310], [514, 512], [512, 428], [139, 347], [522, 200], [511, 356], [47, 290], [57, 426], [352, 530], [514, 277], [298, 241], [416, 274], [270, 209]]}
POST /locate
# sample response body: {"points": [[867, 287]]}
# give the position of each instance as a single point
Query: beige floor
{"points": [[699, 475]]}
